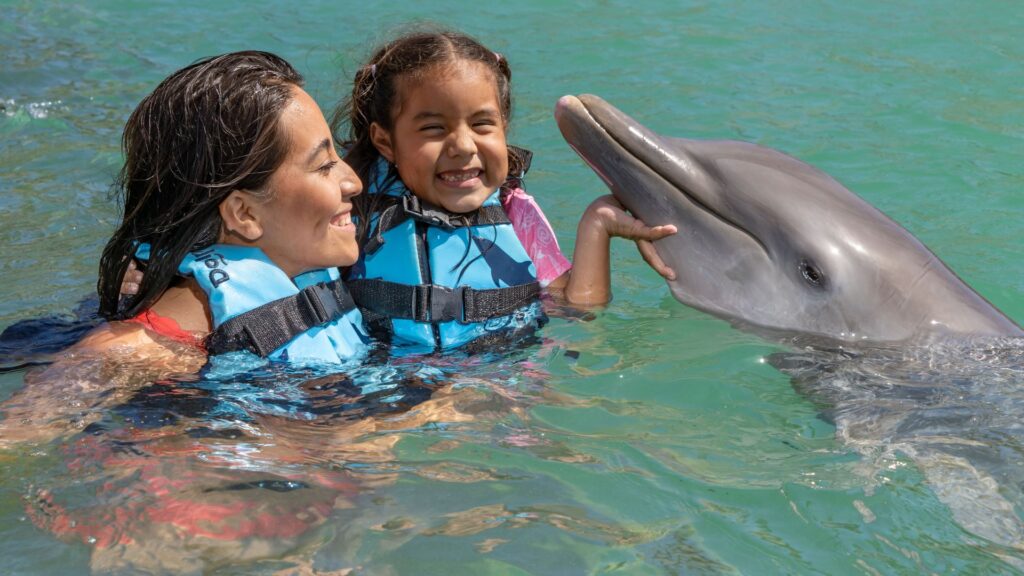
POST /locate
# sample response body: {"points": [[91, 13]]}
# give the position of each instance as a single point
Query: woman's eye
{"points": [[326, 168]]}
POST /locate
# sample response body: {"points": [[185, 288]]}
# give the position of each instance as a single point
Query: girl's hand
{"points": [[589, 281], [133, 278], [617, 222]]}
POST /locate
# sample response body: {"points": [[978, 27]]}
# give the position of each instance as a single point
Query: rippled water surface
{"points": [[648, 439]]}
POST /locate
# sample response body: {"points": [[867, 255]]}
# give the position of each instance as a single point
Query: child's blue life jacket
{"points": [[433, 278]]}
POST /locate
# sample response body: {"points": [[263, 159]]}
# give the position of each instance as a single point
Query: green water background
{"points": [[703, 458]]}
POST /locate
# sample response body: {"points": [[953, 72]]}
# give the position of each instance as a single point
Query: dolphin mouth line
{"points": [[668, 180]]}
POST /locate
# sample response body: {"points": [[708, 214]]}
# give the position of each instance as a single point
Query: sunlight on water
{"points": [[648, 439]]}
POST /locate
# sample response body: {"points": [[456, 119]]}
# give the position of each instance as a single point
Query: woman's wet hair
{"points": [[209, 128], [413, 56]]}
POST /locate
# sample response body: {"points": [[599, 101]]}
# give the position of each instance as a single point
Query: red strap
{"points": [[167, 327]]}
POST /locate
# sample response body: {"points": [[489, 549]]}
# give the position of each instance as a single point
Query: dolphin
{"points": [[901, 355], [767, 240]]}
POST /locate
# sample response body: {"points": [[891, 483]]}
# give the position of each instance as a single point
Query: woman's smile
{"points": [[343, 220]]}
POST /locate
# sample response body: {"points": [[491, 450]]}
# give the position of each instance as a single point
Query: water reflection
{"points": [[167, 467], [952, 407]]}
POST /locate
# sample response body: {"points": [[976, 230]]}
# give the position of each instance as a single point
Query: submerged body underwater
{"points": [[646, 438]]}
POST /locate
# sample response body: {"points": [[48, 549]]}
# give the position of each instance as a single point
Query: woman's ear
{"points": [[241, 221], [381, 139]]}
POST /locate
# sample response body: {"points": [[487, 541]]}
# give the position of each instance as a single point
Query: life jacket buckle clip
{"points": [[321, 303], [447, 303], [429, 215]]}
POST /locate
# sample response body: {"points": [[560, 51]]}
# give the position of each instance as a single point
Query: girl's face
{"points": [[307, 221], [448, 140]]}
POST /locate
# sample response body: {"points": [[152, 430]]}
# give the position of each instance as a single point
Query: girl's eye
{"points": [[431, 128], [326, 168]]}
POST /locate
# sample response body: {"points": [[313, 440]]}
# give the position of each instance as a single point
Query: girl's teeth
{"points": [[460, 177]]}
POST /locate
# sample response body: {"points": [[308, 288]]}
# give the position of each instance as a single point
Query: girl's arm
{"points": [[589, 281]]}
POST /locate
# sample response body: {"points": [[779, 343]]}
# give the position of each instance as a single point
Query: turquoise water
{"points": [[652, 439]]}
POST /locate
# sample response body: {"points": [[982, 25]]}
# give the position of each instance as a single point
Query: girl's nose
{"points": [[461, 142]]}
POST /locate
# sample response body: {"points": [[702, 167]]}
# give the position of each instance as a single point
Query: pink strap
{"points": [[535, 233]]}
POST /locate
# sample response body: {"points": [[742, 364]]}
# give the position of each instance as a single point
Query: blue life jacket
{"points": [[256, 307], [429, 277]]}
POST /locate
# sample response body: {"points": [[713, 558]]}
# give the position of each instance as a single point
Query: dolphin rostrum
{"points": [[903, 356], [768, 240]]}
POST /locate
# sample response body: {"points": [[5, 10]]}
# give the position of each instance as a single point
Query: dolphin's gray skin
{"points": [[769, 240], [901, 355], [954, 407]]}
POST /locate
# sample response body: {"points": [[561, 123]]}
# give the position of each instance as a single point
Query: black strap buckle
{"points": [[447, 304], [427, 214], [525, 158], [321, 303]]}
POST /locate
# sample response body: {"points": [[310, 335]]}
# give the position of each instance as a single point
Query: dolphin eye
{"points": [[812, 275]]}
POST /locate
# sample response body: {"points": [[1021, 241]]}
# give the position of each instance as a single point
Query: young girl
{"points": [[453, 249]]}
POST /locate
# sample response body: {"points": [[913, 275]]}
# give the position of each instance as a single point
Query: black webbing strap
{"points": [[433, 303], [525, 158], [272, 325], [398, 209]]}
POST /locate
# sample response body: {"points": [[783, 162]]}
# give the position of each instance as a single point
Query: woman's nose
{"points": [[351, 185]]}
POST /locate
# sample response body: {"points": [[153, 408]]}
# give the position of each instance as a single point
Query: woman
{"points": [[234, 193], [236, 199]]}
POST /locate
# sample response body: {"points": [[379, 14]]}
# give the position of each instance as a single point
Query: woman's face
{"points": [[307, 220]]}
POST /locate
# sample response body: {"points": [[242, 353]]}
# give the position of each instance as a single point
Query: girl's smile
{"points": [[460, 178]]}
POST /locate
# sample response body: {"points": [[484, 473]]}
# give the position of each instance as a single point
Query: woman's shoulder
{"points": [[117, 334], [179, 315], [137, 344]]}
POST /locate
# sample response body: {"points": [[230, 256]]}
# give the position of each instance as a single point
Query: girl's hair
{"points": [[209, 128], [413, 56]]}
